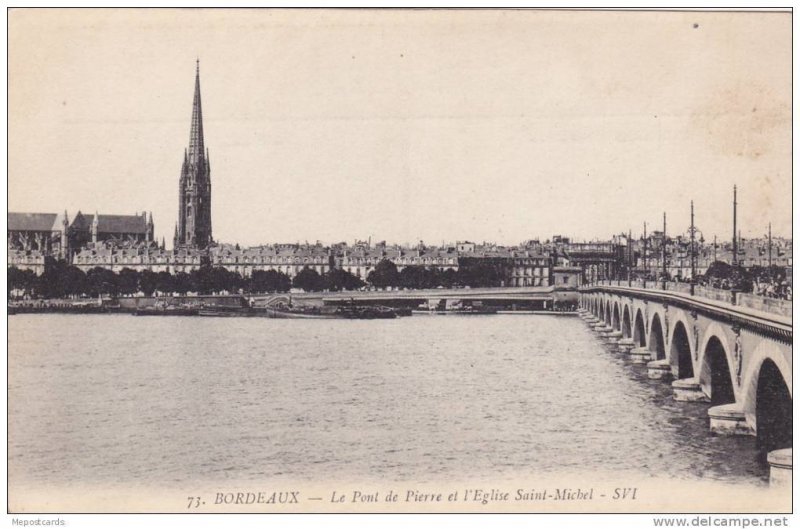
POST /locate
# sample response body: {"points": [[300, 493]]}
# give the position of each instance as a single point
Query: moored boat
{"points": [[296, 313], [166, 310]]}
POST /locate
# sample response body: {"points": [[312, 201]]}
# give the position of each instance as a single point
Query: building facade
{"points": [[32, 237]]}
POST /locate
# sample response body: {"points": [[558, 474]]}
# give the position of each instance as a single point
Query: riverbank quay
{"points": [[514, 300]]}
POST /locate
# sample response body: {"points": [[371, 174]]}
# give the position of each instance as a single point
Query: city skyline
{"points": [[369, 137]]}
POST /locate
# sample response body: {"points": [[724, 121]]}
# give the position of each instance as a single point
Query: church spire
{"points": [[194, 185], [196, 143]]}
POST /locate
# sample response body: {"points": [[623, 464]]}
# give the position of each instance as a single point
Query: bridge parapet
{"points": [[678, 287], [773, 305], [779, 307], [717, 294]]}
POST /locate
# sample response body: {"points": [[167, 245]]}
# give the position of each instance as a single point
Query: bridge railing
{"points": [[685, 288], [771, 305], [716, 294]]}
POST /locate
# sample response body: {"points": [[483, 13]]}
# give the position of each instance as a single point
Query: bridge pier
{"points": [[640, 355], [780, 467], [688, 390], [728, 419], [625, 345], [659, 370], [605, 330]]}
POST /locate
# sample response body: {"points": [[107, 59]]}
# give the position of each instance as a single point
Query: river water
{"points": [[104, 399]]}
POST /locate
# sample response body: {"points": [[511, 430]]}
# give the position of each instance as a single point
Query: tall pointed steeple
{"points": [[194, 202], [196, 142]]}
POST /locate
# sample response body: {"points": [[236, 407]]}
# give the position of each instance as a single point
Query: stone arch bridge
{"points": [[737, 358]]}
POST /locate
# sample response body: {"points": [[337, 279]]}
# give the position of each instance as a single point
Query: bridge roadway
{"points": [[737, 358]]}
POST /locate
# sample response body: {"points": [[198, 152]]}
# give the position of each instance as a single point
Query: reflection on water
{"points": [[117, 399]]}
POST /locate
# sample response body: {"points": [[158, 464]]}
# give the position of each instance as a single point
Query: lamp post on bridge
{"points": [[693, 252], [644, 258], [735, 260], [664, 255], [769, 248], [630, 257]]}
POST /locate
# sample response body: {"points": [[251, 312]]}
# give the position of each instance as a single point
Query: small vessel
{"points": [[296, 313], [224, 311], [472, 310], [350, 312], [357, 312], [462, 311], [165, 309]]}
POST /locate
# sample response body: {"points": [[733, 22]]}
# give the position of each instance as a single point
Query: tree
{"points": [[102, 281], [724, 275], [384, 275], [128, 281], [448, 278], [480, 274], [337, 279], [268, 281], [767, 274], [182, 283], [201, 280], [308, 280], [60, 280], [76, 282], [147, 282], [419, 277], [223, 280], [165, 282], [22, 281]]}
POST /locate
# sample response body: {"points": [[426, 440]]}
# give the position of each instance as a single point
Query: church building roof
{"points": [[32, 222], [119, 223]]}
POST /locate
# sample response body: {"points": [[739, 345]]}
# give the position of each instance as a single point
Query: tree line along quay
{"points": [[61, 280]]}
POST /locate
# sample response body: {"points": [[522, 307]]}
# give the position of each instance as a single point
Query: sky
{"points": [[433, 125]]}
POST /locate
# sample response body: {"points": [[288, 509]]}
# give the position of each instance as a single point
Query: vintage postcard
{"points": [[402, 260]]}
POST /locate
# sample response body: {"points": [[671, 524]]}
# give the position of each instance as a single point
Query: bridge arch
{"points": [[615, 320], [767, 401], [608, 312], [680, 352], [716, 377], [601, 310], [626, 322], [773, 409], [656, 341], [639, 332]]}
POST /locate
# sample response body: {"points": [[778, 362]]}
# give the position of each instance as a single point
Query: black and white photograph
{"points": [[399, 261]]}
